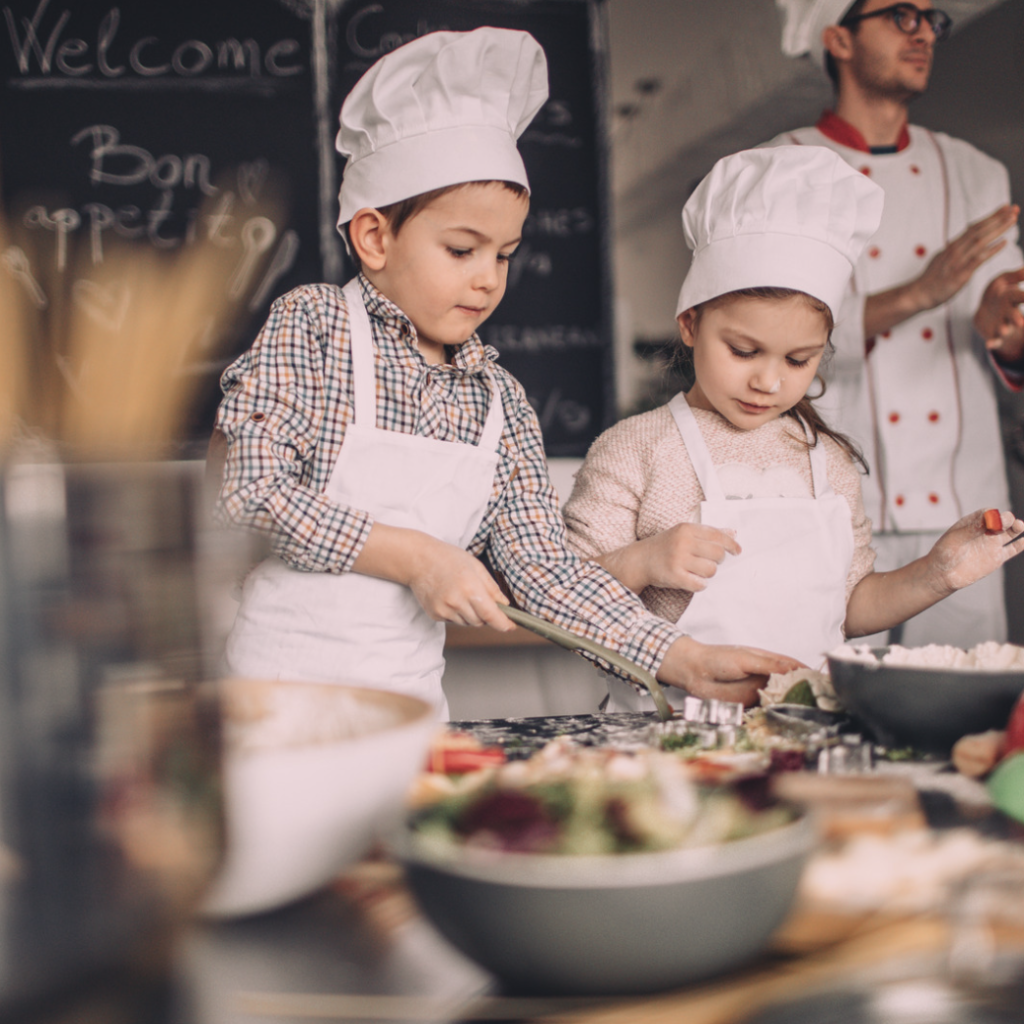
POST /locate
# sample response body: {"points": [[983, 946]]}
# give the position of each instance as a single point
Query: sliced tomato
{"points": [[993, 520], [458, 762]]}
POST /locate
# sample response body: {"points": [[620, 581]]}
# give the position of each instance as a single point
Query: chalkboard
{"points": [[121, 122]]}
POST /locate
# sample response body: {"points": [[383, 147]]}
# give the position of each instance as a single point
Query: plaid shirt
{"points": [[288, 401]]}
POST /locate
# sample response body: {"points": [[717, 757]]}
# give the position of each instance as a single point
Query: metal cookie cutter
{"points": [[713, 723]]}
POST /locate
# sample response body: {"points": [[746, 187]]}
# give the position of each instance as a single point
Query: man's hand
{"points": [[684, 557], [999, 319], [949, 270], [724, 672]]}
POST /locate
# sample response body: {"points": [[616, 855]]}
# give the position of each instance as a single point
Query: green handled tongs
{"points": [[572, 642]]}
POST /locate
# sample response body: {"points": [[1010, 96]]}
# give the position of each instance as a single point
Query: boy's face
{"points": [[754, 359], [447, 267]]}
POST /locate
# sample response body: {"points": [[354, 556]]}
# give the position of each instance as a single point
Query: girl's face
{"points": [[754, 359]]}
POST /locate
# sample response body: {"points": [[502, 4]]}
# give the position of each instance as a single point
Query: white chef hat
{"points": [[441, 110], [803, 23], [784, 217]]}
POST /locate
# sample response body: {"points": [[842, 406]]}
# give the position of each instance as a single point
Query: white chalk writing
{"points": [[43, 48]]}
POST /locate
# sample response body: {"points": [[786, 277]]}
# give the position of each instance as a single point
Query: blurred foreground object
{"points": [[110, 808], [312, 774], [109, 741], [595, 871]]}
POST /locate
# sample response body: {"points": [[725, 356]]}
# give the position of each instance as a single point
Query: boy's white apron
{"points": [[787, 591], [351, 628]]}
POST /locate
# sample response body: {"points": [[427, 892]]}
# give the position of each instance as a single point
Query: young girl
{"points": [[735, 510], [374, 439]]}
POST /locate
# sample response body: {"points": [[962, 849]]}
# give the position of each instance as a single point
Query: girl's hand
{"points": [[724, 672], [453, 586], [684, 557], [968, 551]]}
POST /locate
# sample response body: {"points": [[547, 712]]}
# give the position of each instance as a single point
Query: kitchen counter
{"points": [[361, 952]]}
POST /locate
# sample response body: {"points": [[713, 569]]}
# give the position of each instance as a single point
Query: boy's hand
{"points": [[453, 586], [967, 551], [450, 584], [724, 672]]}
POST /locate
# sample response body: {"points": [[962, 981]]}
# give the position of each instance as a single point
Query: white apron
{"points": [[786, 592], [352, 628]]}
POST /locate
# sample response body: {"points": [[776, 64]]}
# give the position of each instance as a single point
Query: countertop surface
{"points": [[361, 952]]}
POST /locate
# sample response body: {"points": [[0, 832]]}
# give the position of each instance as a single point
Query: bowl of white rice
{"points": [[312, 774], [928, 697]]}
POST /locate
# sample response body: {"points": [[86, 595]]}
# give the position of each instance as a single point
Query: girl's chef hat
{"points": [[441, 110], [785, 217], [804, 21]]}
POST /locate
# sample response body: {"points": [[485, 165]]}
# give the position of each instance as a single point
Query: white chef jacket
{"points": [[922, 405]]}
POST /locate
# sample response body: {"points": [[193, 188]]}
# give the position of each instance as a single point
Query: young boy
{"points": [[372, 435]]}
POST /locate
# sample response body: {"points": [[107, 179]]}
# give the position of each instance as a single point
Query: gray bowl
{"points": [[612, 924], [925, 708]]}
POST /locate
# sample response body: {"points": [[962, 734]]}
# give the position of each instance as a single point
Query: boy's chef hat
{"points": [[804, 21], [785, 217], [441, 110]]}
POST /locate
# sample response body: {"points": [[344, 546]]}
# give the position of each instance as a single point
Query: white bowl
{"points": [[610, 924], [312, 774]]}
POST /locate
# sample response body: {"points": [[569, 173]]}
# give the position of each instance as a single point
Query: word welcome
{"points": [[44, 47]]}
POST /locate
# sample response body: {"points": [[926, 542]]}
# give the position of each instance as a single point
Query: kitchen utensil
{"points": [[312, 772], [928, 709], [618, 923], [572, 642]]}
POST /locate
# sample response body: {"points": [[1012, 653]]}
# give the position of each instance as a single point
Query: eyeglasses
{"points": [[907, 19]]}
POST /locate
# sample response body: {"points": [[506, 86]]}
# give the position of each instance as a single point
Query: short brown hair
{"points": [[397, 214]]}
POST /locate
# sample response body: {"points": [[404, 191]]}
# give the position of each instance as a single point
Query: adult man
{"points": [[934, 306]]}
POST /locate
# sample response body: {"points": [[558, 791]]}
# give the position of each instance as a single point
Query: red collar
{"points": [[833, 127]]}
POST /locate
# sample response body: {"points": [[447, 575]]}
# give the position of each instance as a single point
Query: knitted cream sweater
{"points": [[637, 480]]}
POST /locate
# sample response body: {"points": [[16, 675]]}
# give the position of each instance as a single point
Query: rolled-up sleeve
{"points": [[527, 543]]}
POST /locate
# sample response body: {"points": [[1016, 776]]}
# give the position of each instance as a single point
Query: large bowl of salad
{"points": [[587, 871]]}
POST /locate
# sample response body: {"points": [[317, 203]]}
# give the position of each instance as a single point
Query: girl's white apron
{"points": [[351, 628], [787, 591]]}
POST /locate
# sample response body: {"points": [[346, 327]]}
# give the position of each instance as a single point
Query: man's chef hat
{"points": [[784, 217], [804, 21], [441, 110]]}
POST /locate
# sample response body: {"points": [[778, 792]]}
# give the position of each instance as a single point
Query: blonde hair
{"points": [[804, 410]]}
